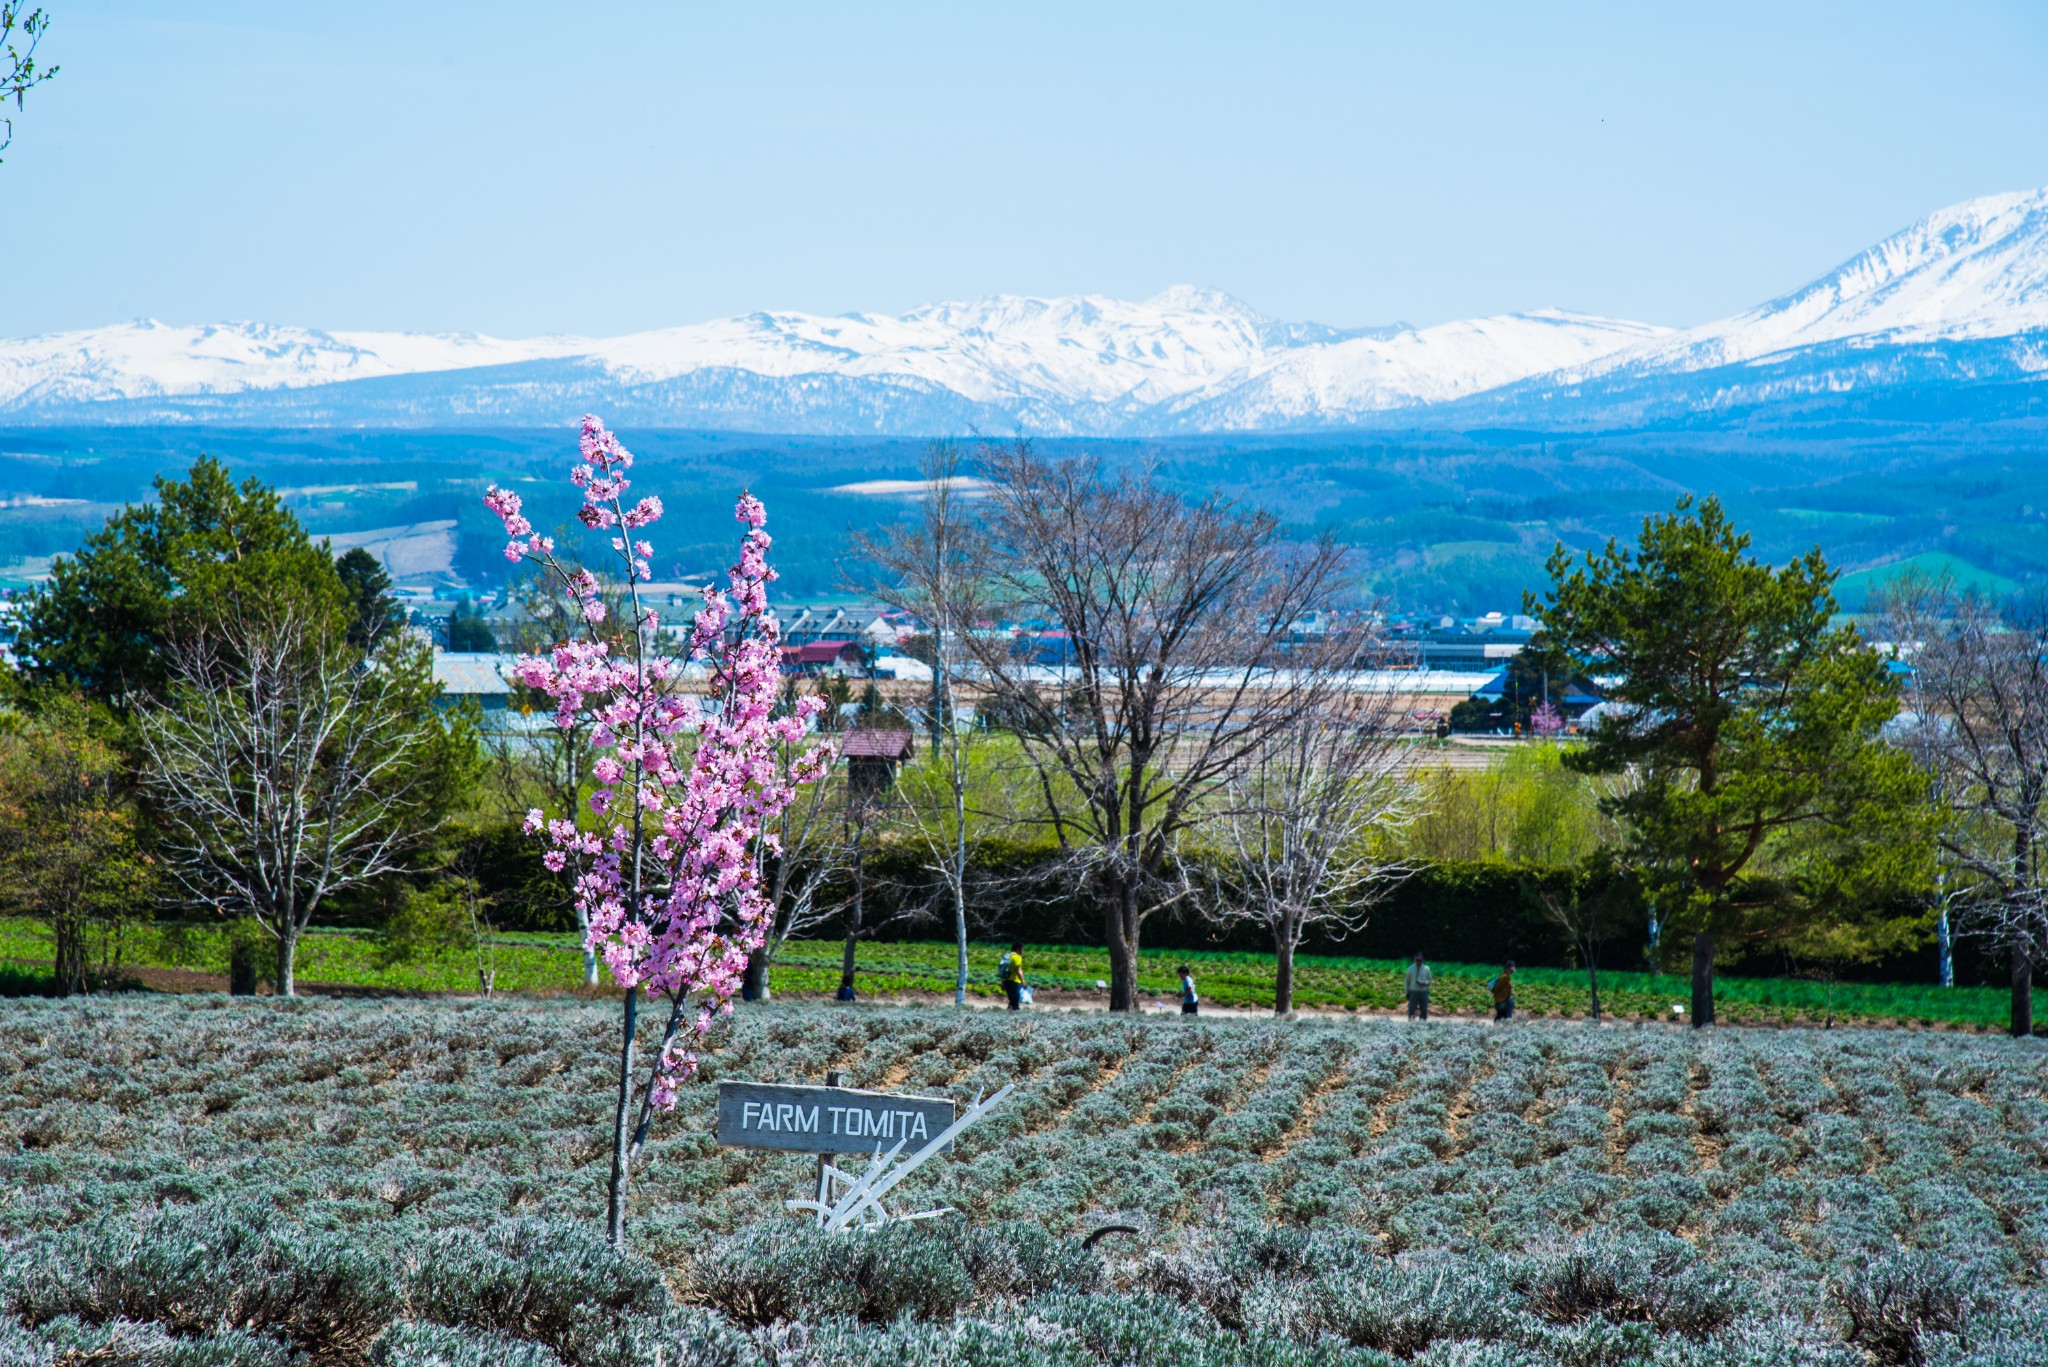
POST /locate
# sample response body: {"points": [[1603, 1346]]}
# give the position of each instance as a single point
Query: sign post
{"points": [[833, 1078], [834, 1119]]}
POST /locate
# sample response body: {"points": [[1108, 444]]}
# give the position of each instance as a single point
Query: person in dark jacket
{"points": [[1418, 989], [1503, 988]]}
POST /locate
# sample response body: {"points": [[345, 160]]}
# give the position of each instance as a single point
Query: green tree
{"points": [[468, 631], [1767, 805], [157, 572], [1534, 677], [71, 850], [20, 32], [375, 612]]}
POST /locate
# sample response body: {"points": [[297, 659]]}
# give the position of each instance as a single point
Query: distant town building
{"points": [[840, 657], [1571, 697], [482, 677]]}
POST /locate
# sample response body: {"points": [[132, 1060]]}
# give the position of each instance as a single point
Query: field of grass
{"points": [[552, 963], [1855, 591], [207, 1180]]}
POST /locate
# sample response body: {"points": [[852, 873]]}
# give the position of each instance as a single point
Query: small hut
{"points": [[872, 756]]}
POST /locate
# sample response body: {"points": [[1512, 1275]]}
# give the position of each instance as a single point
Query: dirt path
{"points": [[1063, 1000]]}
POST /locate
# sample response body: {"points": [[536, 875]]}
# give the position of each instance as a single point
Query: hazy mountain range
{"points": [[1949, 315]]}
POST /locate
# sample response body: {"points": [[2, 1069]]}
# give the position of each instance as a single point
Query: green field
{"points": [[1854, 591], [552, 963]]}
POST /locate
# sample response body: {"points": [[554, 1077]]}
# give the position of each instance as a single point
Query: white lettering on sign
{"points": [[862, 1123], [805, 1119], [780, 1116]]}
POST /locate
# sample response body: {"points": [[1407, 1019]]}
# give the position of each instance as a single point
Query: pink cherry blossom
{"points": [[664, 861]]}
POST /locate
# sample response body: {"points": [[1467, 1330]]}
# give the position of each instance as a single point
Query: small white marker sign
{"points": [[808, 1119]]}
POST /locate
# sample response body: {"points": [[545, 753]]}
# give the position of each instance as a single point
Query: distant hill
{"points": [[1449, 521]]}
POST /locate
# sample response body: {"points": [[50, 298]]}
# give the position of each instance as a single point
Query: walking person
{"points": [[1503, 987], [1011, 975], [1418, 989], [1190, 1004]]}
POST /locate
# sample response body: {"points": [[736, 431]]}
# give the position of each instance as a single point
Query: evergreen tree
{"points": [[377, 613], [206, 548], [1769, 809], [1534, 677], [468, 631]]}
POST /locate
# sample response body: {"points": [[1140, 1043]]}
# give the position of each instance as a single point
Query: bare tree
{"points": [[1584, 909], [1306, 821], [1980, 726], [806, 856], [286, 767], [864, 807], [927, 569], [1175, 614]]}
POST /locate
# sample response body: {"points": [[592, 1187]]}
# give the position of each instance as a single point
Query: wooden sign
{"points": [[811, 1119]]}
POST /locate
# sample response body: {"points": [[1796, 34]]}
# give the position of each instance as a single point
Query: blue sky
{"points": [[602, 168]]}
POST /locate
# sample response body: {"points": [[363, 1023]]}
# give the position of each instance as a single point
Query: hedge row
{"points": [[1467, 912], [1474, 912]]}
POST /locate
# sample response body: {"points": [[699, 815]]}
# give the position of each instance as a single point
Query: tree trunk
{"points": [[960, 881], [1702, 980], [1593, 985], [69, 969], [754, 984], [615, 1207], [2022, 991], [1120, 932], [243, 970], [1283, 977], [589, 954], [287, 950], [960, 945], [846, 993]]}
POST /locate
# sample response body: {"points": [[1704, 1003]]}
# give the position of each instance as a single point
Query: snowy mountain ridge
{"points": [[1973, 270], [1960, 297], [1061, 364]]}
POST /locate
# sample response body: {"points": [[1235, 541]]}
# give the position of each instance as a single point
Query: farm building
{"points": [[841, 657], [872, 756]]}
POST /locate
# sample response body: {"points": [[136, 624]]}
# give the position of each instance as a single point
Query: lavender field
{"points": [[207, 1180]]}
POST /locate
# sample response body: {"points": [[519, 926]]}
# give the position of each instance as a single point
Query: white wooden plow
{"points": [[854, 1201]]}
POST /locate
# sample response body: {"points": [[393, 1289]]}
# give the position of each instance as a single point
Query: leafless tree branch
{"points": [[285, 768]]}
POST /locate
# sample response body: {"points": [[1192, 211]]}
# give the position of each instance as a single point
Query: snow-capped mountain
{"points": [[1955, 304], [1353, 378], [149, 359], [1978, 269], [1188, 358], [1958, 299]]}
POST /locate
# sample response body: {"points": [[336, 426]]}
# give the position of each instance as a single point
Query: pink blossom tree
{"points": [[666, 879]]}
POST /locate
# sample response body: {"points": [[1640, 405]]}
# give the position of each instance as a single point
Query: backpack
{"points": [[1007, 974]]}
